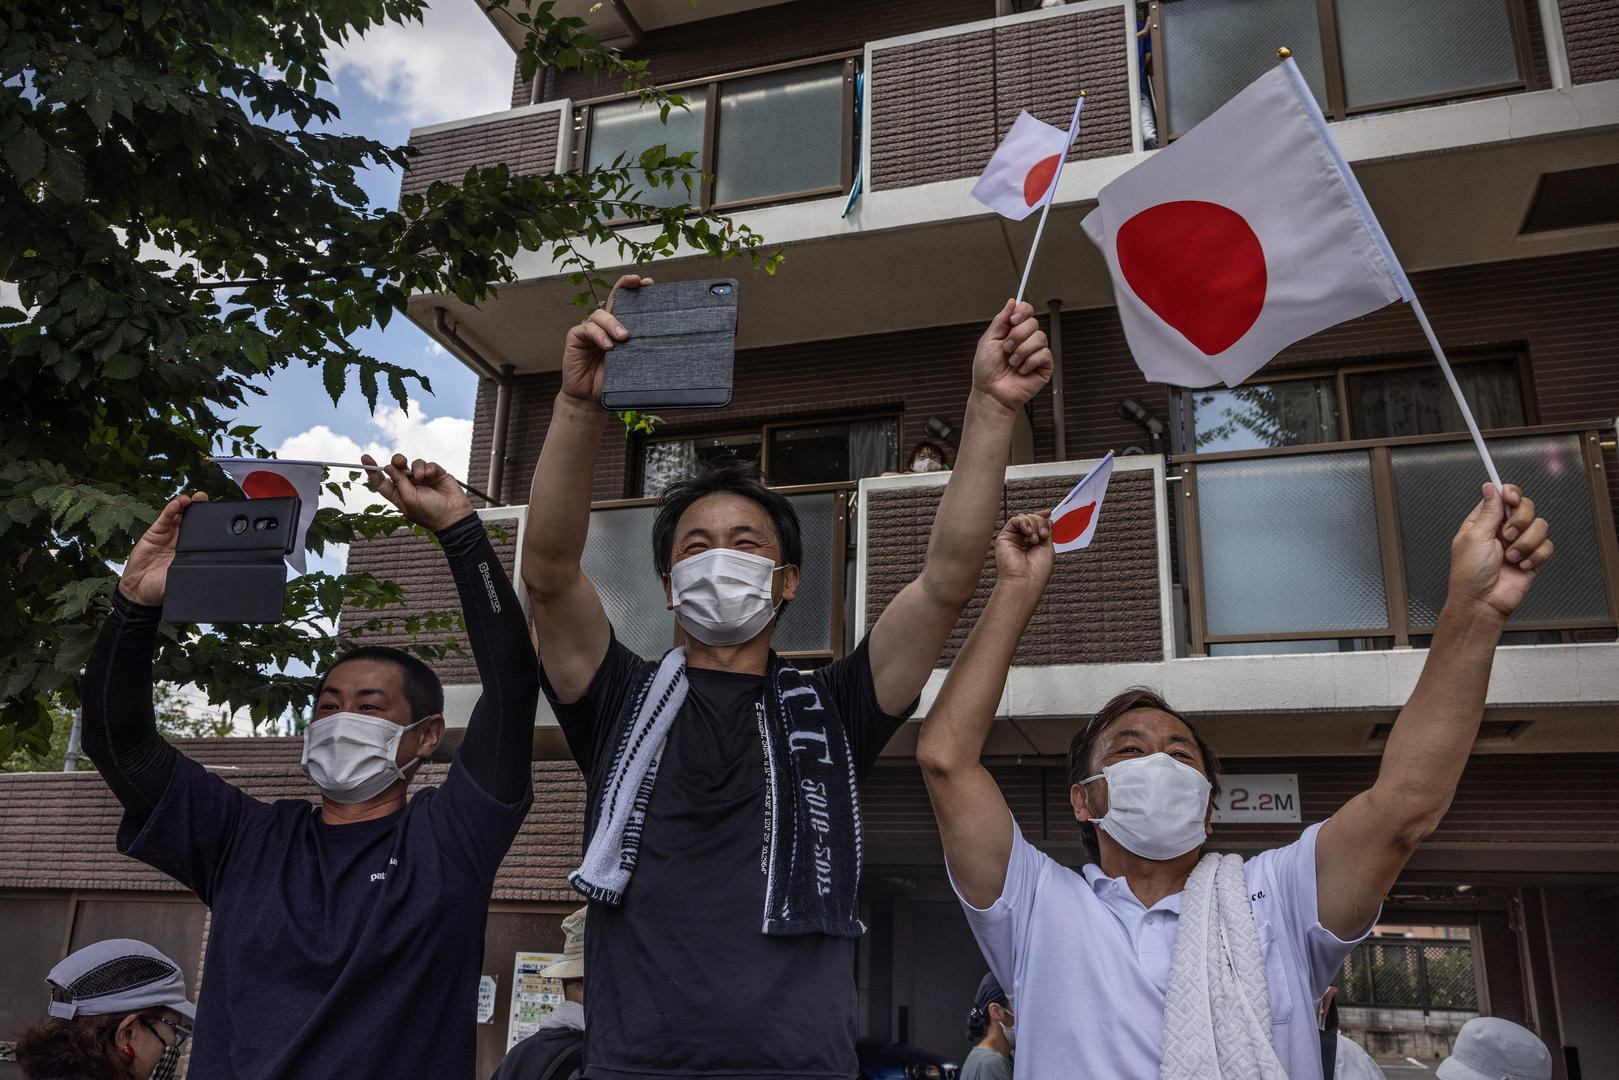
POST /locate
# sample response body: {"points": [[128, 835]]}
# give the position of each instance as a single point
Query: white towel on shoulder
{"points": [[1217, 1015]]}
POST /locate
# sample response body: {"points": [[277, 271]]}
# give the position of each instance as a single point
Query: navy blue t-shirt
{"points": [[323, 936]]}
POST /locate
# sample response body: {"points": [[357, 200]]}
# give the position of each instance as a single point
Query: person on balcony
{"points": [[346, 938], [723, 825], [1155, 959]]}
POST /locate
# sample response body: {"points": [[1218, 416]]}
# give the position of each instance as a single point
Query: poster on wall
{"points": [[533, 996], [486, 999]]}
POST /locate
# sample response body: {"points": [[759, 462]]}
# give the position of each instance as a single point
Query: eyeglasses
{"points": [[181, 1033]]}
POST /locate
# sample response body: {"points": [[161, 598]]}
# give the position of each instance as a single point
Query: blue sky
{"points": [[452, 65]]}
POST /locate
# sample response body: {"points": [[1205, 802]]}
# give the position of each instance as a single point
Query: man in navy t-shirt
{"points": [[346, 939]]}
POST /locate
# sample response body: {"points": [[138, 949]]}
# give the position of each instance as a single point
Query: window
{"points": [[788, 454], [1356, 55], [1365, 402], [781, 133]]}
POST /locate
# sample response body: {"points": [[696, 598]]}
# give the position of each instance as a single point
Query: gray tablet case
{"points": [[681, 348], [229, 562]]}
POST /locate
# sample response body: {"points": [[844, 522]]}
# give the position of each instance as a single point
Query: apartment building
{"points": [[1272, 557]]}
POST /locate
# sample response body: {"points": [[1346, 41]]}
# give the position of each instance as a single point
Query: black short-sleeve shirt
{"points": [[681, 979], [320, 932]]}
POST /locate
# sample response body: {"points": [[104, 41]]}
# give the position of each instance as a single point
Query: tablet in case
{"points": [[229, 562], [681, 347]]}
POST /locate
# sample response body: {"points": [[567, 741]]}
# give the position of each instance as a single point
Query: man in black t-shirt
{"points": [[346, 939], [723, 833]]}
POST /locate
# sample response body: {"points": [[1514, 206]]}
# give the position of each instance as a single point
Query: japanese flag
{"points": [[1022, 174], [263, 478], [1073, 522], [1247, 234]]}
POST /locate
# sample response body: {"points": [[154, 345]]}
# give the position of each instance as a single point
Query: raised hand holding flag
{"points": [[1073, 522], [1023, 172]]}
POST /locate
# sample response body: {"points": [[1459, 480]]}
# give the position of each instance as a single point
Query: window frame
{"points": [[1337, 105], [637, 474], [710, 86]]}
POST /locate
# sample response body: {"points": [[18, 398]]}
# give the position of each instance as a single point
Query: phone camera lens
{"points": [[238, 524], [261, 524], [721, 290]]}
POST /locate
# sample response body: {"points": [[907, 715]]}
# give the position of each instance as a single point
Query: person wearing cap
{"points": [[346, 939], [991, 1027], [1155, 960], [118, 1011], [557, 1050], [1489, 1048]]}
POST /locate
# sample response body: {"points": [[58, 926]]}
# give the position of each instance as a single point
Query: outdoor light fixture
{"points": [[940, 428], [1131, 409]]}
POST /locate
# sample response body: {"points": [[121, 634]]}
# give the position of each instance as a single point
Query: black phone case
{"points": [[220, 575], [681, 349]]}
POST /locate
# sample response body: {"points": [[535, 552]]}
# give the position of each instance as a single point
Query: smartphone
{"points": [[681, 348], [229, 562]]}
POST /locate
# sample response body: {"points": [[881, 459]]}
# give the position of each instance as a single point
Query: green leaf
{"points": [[122, 366], [335, 376], [66, 175], [25, 155]]}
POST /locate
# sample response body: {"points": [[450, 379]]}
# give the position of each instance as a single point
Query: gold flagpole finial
{"points": [[1082, 93], [1283, 53]]}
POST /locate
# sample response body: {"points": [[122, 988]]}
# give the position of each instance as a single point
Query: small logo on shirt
{"points": [[1260, 895], [382, 875], [489, 587]]}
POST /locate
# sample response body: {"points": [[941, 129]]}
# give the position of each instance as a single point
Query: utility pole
{"points": [[70, 761]]}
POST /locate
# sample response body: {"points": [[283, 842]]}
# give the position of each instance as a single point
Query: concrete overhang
{"points": [[1451, 184], [619, 22]]}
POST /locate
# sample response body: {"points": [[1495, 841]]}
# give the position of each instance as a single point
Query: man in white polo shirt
{"points": [[1154, 960]]}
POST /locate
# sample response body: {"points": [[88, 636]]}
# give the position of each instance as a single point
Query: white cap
{"points": [[1489, 1048], [119, 975]]}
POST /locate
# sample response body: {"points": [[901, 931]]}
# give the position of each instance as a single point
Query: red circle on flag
{"points": [[260, 484], [1072, 525], [1039, 179], [1199, 267]]}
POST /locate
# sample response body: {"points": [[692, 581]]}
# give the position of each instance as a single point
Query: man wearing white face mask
{"points": [[346, 939], [724, 830], [1156, 961]]}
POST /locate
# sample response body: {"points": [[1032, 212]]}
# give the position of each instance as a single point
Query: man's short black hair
{"points": [[731, 478], [422, 687], [1081, 746]]}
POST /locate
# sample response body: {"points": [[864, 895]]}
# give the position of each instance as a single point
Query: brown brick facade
{"points": [[939, 107], [526, 144], [1102, 605], [1591, 35], [417, 564]]}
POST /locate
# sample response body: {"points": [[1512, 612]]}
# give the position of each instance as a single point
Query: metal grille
{"points": [[1312, 563], [1436, 486], [780, 133], [1214, 48], [1410, 975], [1395, 52], [124, 973]]}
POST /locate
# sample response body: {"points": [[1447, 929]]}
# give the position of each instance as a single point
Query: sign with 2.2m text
{"points": [[1257, 797]]}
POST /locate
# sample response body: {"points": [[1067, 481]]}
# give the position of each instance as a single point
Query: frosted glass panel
{"points": [[780, 132], [807, 625], [1396, 51], [1436, 486], [629, 128], [1290, 544], [618, 561], [1213, 48]]}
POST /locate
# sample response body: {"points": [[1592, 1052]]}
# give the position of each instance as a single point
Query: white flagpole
{"points": [[358, 466], [1051, 193], [1455, 389]]}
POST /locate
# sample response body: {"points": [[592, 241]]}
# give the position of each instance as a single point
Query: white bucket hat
{"points": [[1489, 1048], [572, 964]]}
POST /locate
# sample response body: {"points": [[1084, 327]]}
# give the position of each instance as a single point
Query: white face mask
{"points": [[350, 756], [722, 596], [926, 464], [1010, 1031], [1155, 806]]}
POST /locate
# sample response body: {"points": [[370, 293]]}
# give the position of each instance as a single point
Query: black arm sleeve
{"points": [[499, 743], [120, 726]]}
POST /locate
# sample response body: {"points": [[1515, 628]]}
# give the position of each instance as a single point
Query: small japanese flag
{"points": [[1022, 174], [1073, 522], [262, 478]]}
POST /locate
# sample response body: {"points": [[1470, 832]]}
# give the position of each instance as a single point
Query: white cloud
{"points": [[451, 65], [444, 439]]}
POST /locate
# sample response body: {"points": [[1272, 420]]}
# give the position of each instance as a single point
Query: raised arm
{"points": [[974, 821], [120, 726], [571, 630], [1011, 365], [499, 742], [1365, 845]]}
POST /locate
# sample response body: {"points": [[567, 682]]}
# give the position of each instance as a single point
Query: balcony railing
{"points": [[1347, 545], [618, 561]]}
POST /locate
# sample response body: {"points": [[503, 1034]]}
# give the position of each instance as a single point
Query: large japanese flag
{"points": [[263, 478], [1073, 522], [1245, 235], [1022, 173]]}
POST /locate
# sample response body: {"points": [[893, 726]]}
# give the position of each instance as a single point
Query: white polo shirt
{"points": [[1087, 966]]}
